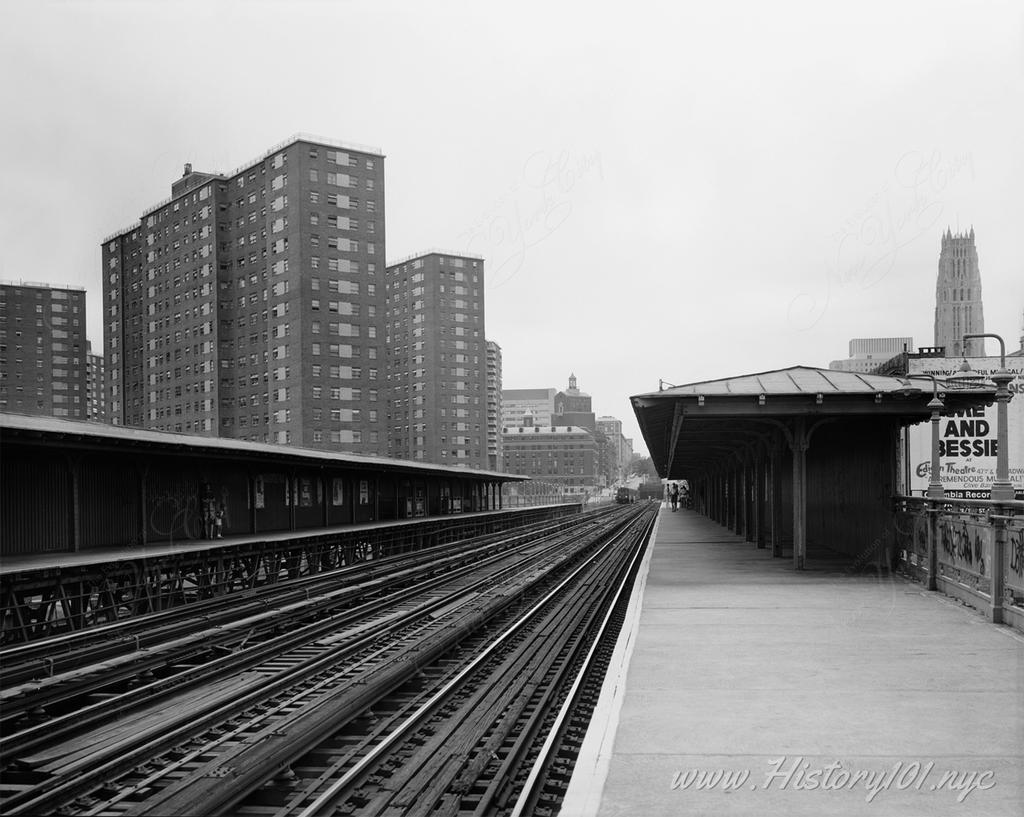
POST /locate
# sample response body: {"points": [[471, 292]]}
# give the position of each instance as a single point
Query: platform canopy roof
{"points": [[689, 428], [75, 434]]}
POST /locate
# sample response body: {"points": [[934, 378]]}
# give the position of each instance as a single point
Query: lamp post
{"points": [[1002, 488], [935, 489]]}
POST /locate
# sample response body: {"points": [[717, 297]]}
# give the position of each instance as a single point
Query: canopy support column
{"points": [[798, 443], [742, 521], [759, 491], [775, 499]]}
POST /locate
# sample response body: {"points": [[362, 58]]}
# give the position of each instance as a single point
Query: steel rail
{"points": [[145, 627], [527, 796], [223, 711], [412, 721], [226, 634], [335, 651], [272, 756]]}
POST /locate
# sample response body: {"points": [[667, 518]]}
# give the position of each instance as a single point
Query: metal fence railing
{"points": [[970, 549]]}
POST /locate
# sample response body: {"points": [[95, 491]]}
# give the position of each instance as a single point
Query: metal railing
{"points": [[43, 285], [970, 549], [434, 251], [119, 233]]}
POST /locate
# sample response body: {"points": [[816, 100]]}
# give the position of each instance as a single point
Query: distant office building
{"points": [[573, 407], [516, 404], [866, 354], [250, 304], [565, 456], [95, 386], [495, 461], [958, 307], [42, 350], [569, 412], [618, 449], [437, 359]]}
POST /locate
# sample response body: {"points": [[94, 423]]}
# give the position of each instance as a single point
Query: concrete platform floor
{"points": [[827, 693]]}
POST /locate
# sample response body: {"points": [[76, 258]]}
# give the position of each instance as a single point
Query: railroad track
{"points": [[88, 663], [186, 661], [49, 655], [499, 736], [212, 743]]}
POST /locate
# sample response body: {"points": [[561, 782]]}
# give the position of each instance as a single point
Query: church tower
{"points": [[958, 308]]}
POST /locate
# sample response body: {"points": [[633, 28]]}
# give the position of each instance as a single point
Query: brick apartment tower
{"points": [[437, 359], [250, 304], [43, 350], [95, 386], [495, 460], [958, 309]]}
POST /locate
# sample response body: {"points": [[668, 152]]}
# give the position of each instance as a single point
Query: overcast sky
{"points": [[682, 191]]}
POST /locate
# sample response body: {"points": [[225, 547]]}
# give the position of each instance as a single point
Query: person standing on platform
{"points": [[673, 495], [209, 511]]}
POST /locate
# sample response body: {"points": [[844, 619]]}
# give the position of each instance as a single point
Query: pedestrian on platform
{"points": [[673, 495], [209, 511], [219, 521]]}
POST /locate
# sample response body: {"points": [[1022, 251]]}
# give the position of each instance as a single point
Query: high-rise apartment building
{"points": [[958, 307], [437, 359], [95, 386], [42, 350], [250, 304], [495, 461]]}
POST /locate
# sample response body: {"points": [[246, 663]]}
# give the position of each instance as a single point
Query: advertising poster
{"points": [[968, 440]]}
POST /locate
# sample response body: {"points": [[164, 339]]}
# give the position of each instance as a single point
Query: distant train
{"points": [[625, 496]]}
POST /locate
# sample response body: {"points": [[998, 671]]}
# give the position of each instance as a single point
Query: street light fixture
{"points": [[1002, 488]]}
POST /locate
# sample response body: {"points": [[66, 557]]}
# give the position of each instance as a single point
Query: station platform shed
{"points": [[68, 486], [800, 459]]}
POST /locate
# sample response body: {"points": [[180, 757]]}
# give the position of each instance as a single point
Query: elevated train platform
{"points": [[101, 522], [396, 534], [743, 687], [44, 593]]}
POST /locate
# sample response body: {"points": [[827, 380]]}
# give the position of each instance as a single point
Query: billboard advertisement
{"points": [[968, 439]]}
